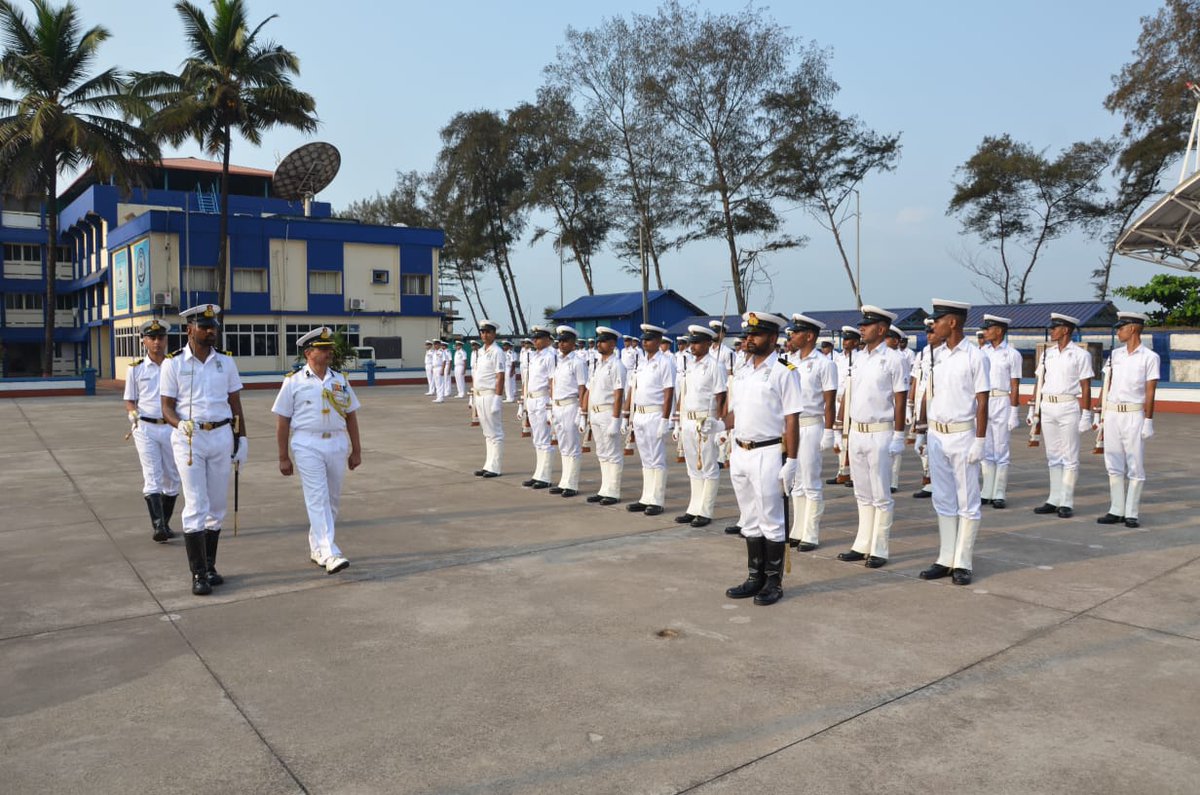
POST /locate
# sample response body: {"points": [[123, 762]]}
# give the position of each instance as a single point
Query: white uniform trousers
{"points": [[997, 448], [460, 381], [538, 409], [566, 430], [429, 388], [650, 433], [321, 463], [759, 492], [510, 387], [1124, 450], [444, 391], [206, 481], [606, 434], [871, 471], [1060, 433], [159, 473], [955, 482], [700, 457], [808, 492], [491, 422]]}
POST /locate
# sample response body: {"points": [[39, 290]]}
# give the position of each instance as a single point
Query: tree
{"points": [[1179, 297], [1016, 199], [231, 80], [824, 156], [403, 205], [61, 119]]}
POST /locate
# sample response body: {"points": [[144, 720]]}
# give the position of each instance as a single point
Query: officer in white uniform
{"points": [[877, 403], [200, 392], [1004, 374], [460, 369], [1128, 418], [542, 362], [568, 393], [918, 385], [151, 433], [631, 354], [651, 397], [843, 360], [317, 408], [818, 390], [700, 390], [1066, 394], [510, 372], [957, 420], [605, 398], [894, 337], [765, 402], [429, 380], [487, 385]]}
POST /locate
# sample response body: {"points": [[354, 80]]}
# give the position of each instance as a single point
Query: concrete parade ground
{"points": [[492, 639]]}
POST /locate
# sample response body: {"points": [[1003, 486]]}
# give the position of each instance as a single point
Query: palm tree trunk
{"points": [[223, 235], [51, 265]]}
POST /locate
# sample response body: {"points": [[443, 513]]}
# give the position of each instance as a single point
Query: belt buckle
{"points": [[326, 435]]}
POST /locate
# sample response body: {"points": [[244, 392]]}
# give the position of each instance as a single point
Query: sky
{"points": [[388, 76]]}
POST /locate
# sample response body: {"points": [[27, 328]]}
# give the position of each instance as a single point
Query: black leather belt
{"points": [[152, 420], [756, 445], [210, 426]]}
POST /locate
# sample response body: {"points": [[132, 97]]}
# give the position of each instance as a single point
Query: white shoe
{"points": [[510, 401], [439, 400], [335, 564], [316, 558]]}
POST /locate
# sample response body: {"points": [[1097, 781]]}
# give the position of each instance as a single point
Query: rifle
{"points": [[629, 440], [237, 474], [679, 456], [1035, 430], [1098, 447]]}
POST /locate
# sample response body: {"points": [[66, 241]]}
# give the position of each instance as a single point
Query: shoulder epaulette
{"points": [[136, 362], [786, 363], [292, 373], [173, 354], [227, 353]]}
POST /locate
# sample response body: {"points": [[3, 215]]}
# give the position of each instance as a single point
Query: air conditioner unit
{"points": [[162, 299], [358, 304]]}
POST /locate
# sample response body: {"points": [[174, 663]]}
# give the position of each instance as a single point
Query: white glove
{"points": [[827, 439], [1014, 417], [666, 427], [132, 415], [787, 473], [1085, 421], [975, 454], [583, 422], [1029, 418], [1147, 428], [625, 426], [896, 446], [908, 413], [674, 430], [521, 410], [187, 426], [497, 403], [242, 452], [922, 443]]}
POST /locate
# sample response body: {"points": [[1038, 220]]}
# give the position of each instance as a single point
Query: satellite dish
{"points": [[306, 172]]}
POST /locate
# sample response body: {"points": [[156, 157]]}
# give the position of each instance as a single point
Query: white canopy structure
{"points": [[1169, 232]]}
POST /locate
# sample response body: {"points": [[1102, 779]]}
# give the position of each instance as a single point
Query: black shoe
{"points": [[480, 472], [875, 562], [701, 521], [609, 500], [684, 518], [528, 483], [831, 482], [211, 537], [154, 503], [757, 577], [772, 590], [197, 562], [935, 572], [851, 556], [793, 542], [1107, 518], [1046, 508], [489, 474], [556, 489], [594, 498], [961, 576], [894, 489], [922, 494], [806, 546], [985, 502], [733, 530], [1064, 512], [999, 504], [168, 512], [653, 510], [569, 492], [1132, 522], [539, 484], [849, 484], [636, 507]]}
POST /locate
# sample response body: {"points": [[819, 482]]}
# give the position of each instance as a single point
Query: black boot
{"points": [[168, 512], [197, 562], [756, 579], [772, 590], [210, 546], [155, 504]]}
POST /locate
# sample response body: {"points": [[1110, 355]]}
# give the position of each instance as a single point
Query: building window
{"points": [[22, 301], [294, 331], [251, 339], [22, 261], [415, 284], [249, 280], [324, 282], [380, 277], [65, 301], [127, 341], [200, 280]]}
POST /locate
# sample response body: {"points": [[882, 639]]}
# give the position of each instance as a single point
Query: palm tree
{"points": [[230, 80], [61, 118]]}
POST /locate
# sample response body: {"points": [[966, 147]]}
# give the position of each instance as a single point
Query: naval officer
{"points": [[818, 390], [1004, 374], [651, 396], [605, 398], [151, 433], [701, 389], [542, 362], [488, 368], [568, 391]]}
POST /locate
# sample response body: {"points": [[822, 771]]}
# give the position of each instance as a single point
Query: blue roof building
{"points": [[623, 311]]}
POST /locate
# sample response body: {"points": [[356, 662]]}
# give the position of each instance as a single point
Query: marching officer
{"points": [[876, 418], [568, 391], [818, 388], [1128, 418], [843, 360], [487, 385], [542, 362], [151, 433], [701, 389], [201, 399], [1066, 392], [762, 418], [605, 396], [957, 427], [317, 408], [651, 396], [1004, 374]]}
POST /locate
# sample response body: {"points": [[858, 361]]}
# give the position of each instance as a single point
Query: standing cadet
{"points": [[917, 399], [1128, 418], [200, 390], [510, 372], [1004, 374], [957, 417], [764, 407], [460, 369], [568, 390], [487, 385], [151, 433], [318, 410], [429, 380], [877, 397], [701, 390], [894, 338], [844, 361], [651, 396], [1066, 394], [605, 398], [818, 388], [537, 405]]}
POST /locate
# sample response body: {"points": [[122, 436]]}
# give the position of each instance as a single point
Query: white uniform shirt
{"points": [[460, 359], [570, 373], [489, 360], [510, 362], [315, 404], [877, 375], [201, 389], [1004, 364], [725, 356], [761, 397], [654, 377], [541, 370], [606, 378], [841, 361], [1065, 369], [141, 387], [910, 359], [429, 357], [698, 386], [1130, 372], [958, 374], [632, 358], [817, 376]]}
